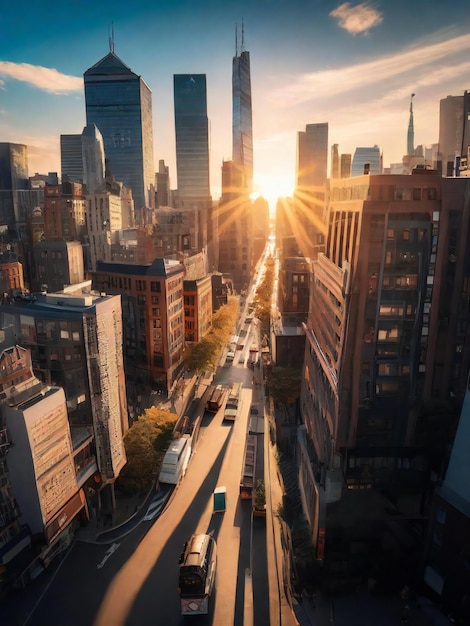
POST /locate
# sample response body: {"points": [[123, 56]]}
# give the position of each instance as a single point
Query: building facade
{"points": [[153, 320], [119, 103], [71, 163], [242, 118], [386, 331], [57, 264], [367, 161]]}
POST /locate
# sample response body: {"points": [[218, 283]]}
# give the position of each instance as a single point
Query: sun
{"points": [[271, 188]]}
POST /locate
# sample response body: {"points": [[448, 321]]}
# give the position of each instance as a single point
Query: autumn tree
{"points": [[284, 384], [203, 355], [146, 443]]}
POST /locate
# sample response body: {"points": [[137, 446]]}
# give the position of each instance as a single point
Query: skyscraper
{"points": [[454, 131], [93, 159], [242, 126], [312, 156], [71, 164], [192, 136], [410, 142], [119, 103]]}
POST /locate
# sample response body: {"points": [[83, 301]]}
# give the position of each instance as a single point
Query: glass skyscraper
{"points": [[119, 103], [312, 156], [242, 126], [192, 135], [367, 161]]}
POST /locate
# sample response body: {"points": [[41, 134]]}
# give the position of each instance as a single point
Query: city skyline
{"points": [[352, 65]]}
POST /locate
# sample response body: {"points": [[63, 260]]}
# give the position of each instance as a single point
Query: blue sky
{"points": [[351, 64]]}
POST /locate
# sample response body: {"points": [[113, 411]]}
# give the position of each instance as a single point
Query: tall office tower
{"points": [[119, 103], [312, 156], [93, 159], [410, 139], [345, 165], [192, 136], [71, 164], [242, 124], [367, 161], [334, 161], [454, 131]]}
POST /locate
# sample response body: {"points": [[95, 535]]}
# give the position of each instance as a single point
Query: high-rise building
{"points": [[367, 161], [162, 185], [377, 349], [345, 165], [71, 163], [242, 124], [334, 161], [312, 156], [93, 159], [13, 179], [119, 103], [192, 136], [454, 131]]}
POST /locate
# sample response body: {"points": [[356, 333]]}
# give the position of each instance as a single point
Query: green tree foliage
{"points": [[284, 384], [203, 356], [146, 443]]}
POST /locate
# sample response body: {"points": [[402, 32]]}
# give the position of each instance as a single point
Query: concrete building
{"points": [[119, 103], [367, 161], [345, 165], [57, 264], [40, 496], [312, 157], [153, 320], [386, 331], [75, 338], [454, 132], [162, 185], [64, 212]]}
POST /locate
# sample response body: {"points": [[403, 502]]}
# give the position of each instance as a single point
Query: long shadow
{"points": [[159, 590]]}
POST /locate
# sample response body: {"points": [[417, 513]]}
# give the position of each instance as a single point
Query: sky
{"points": [[351, 64]]}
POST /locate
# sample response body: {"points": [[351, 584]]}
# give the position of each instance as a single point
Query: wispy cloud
{"points": [[45, 78], [357, 19], [328, 83]]}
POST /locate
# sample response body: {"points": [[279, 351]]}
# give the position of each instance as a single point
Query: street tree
{"points": [[145, 443]]}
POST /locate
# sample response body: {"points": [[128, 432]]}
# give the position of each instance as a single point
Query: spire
{"points": [[411, 131], [111, 39], [236, 40], [242, 49]]}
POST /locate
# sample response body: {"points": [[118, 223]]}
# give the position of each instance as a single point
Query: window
{"points": [[431, 193], [156, 287], [390, 233], [416, 193]]}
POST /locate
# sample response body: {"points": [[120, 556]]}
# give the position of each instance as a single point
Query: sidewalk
{"points": [[100, 524]]}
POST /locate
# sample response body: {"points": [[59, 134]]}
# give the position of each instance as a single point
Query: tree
{"points": [[203, 355], [259, 497], [146, 443], [284, 384]]}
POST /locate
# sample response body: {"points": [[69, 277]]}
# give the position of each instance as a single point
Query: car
{"points": [[248, 320], [230, 356]]}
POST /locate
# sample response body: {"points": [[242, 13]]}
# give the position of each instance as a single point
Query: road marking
{"points": [[109, 552]]}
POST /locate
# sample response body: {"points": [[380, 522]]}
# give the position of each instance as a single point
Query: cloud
{"points": [[357, 19], [45, 78], [418, 61]]}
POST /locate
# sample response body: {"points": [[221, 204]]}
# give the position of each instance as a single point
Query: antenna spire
{"points": [[111, 38], [236, 39], [243, 37], [411, 131]]}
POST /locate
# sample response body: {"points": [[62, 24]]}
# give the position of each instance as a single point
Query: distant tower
{"points": [[334, 161], [242, 124], [411, 131], [312, 156], [93, 159]]}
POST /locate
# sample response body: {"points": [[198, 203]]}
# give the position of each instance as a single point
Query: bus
{"points": [[247, 481], [175, 461], [197, 569], [233, 401], [216, 398]]}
